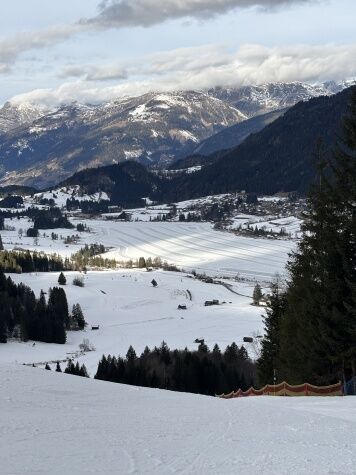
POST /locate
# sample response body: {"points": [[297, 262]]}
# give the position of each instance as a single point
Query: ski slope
{"points": [[130, 311], [60, 424]]}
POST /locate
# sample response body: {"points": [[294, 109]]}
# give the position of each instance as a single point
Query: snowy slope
{"points": [[191, 246], [59, 424], [61, 195], [253, 100], [131, 312], [13, 115], [196, 246]]}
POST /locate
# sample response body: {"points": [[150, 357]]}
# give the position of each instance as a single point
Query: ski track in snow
{"points": [[63, 424]]}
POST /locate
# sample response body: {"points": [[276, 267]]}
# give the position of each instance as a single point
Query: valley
{"points": [[178, 237], [123, 302]]}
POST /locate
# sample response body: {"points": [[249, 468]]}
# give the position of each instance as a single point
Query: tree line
{"points": [[50, 218], [201, 371], [26, 261], [25, 317]]}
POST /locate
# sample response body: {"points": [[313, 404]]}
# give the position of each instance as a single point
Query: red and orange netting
{"points": [[285, 389]]}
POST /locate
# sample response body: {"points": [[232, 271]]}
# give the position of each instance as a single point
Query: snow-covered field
{"points": [[60, 424], [290, 225], [188, 245], [130, 311]]}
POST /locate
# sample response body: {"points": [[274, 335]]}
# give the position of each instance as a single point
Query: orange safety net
{"points": [[285, 389]]}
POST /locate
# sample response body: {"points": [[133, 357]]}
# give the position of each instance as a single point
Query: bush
{"points": [[86, 345], [78, 281]]}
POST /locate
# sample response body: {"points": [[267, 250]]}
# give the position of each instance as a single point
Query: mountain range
{"points": [[279, 158], [40, 148], [154, 128], [254, 100]]}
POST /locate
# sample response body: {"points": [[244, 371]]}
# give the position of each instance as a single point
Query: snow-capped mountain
{"points": [[153, 128], [39, 148], [255, 100], [13, 115]]}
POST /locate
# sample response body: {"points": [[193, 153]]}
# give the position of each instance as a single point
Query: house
{"points": [[209, 303], [248, 339]]}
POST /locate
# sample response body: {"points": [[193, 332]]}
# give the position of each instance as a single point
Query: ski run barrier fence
{"points": [[285, 389]]}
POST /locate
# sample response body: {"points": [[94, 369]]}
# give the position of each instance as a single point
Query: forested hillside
{"points": [[278, 158]]}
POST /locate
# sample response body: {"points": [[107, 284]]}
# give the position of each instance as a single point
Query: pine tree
{"points": [[257, 294], [231, 353], [58, 367], [62, 279], [270, 350], [83, 371], [131, 354], [78, 317], [319, 327], [3, 325]]}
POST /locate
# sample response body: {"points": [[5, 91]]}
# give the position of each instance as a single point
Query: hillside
{"points": [[153, 128], [13, 116], [278, 158], [125, 183], [229, 137], [56, 424]]}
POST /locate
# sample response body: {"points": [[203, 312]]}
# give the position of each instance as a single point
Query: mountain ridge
{"points": [[153, 128], [279, 158]]}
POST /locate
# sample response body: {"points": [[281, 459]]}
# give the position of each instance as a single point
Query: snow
{"points": [[60, 196], [196, 246], [183, 135], [139, 111], [132, 154], [130, 311], [291, 224], [60, 424], [275, 199], [191, 246]]}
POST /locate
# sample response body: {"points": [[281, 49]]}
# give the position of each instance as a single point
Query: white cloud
{"points": [[23, 42], [204, 67], [95, 73], [128, 13]]}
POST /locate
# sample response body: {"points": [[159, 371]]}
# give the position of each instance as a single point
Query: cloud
{"points": [[126, 13], [129, 13], [95, 73], [203, 67], [24, 42]]}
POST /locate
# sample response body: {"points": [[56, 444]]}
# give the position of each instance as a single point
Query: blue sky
{"points": [[53, 52]]}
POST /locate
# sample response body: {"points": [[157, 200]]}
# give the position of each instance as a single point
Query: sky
{"points": [[55, 52]]}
